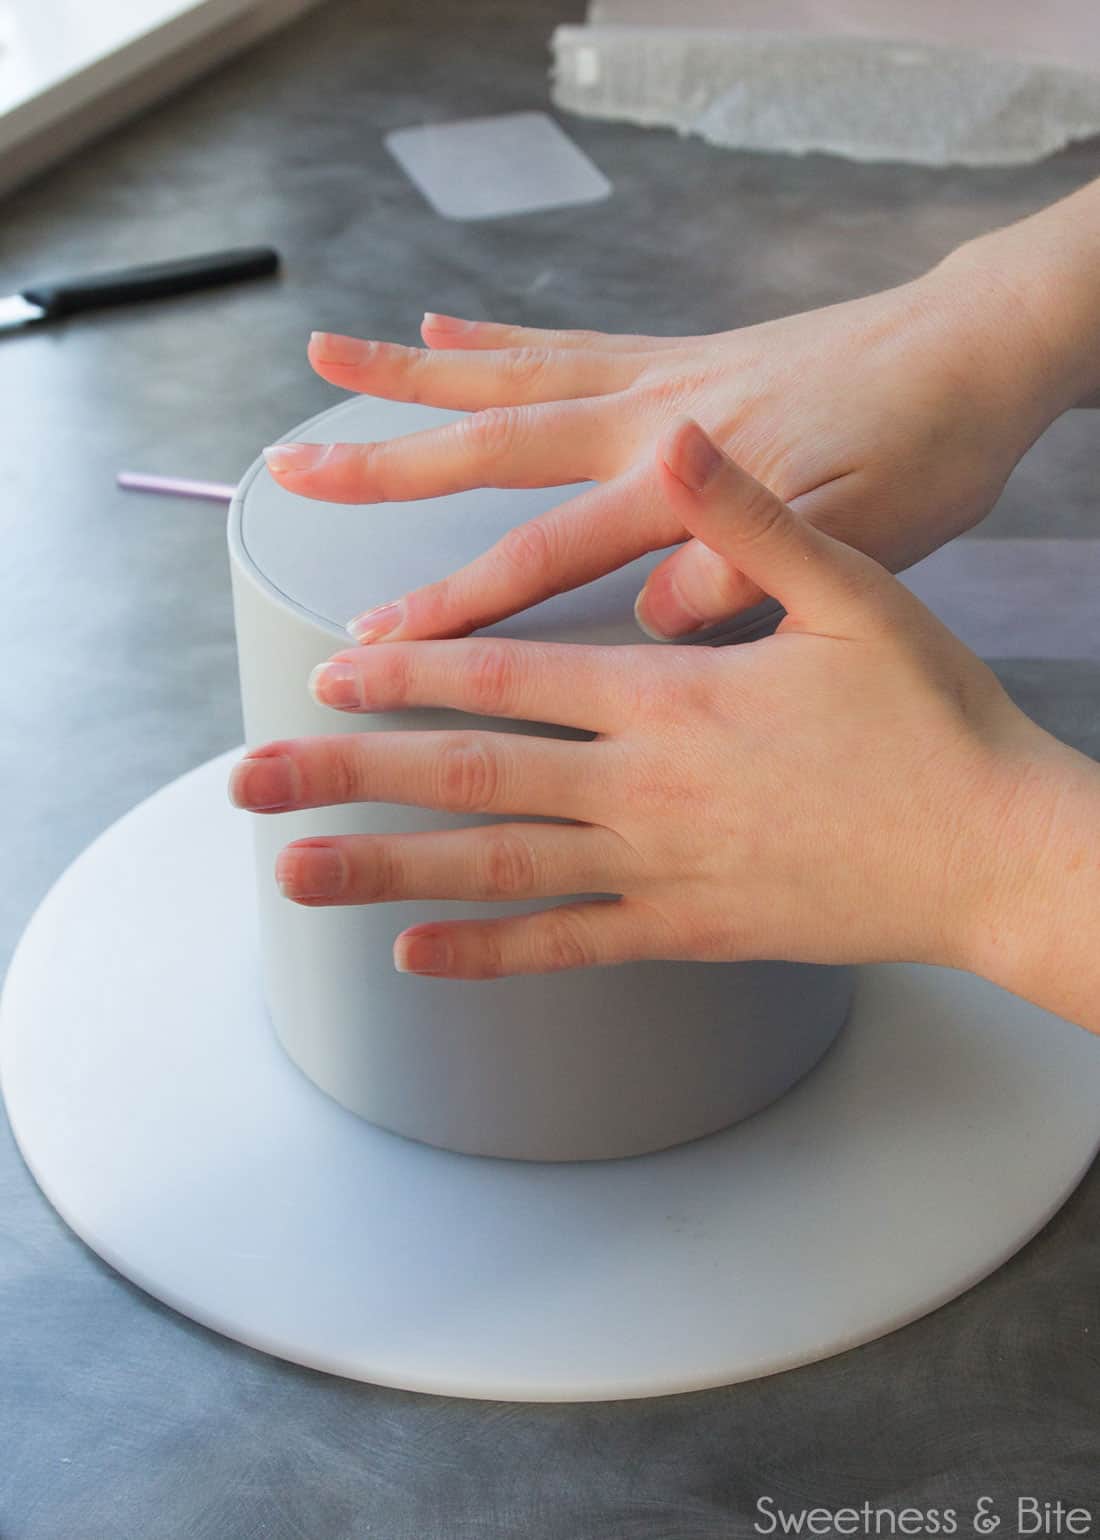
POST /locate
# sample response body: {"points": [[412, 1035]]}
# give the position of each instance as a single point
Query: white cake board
{"points": [[159, 1115]]}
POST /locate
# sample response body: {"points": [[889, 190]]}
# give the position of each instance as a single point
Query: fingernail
{"points": [[446, 323], [697, 459], [265, 783], [380, 621], [332, 348], [295, 457], [676, 617], [421, 954], [337, 684], [311, 871]]}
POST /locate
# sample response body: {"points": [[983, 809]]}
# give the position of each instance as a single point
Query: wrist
{"points": [[1037, 280], [993, 361], [1032, 922]]}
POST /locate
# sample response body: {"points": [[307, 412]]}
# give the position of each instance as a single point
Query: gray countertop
{"points": [[120, 1419]]}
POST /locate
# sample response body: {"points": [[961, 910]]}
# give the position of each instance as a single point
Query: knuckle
{"points": [[652, 699], [490, 962], [585, 337], [761, 513], [662, 392], [443, 608], [645, 685], [491, 678], [860, 581], [428, 609], [420, 367], [658, 931], [566, 943], [344, 770], [527, 366], [469, 776], [508, 867], [655, 691], [375, 472], [527, 547], [491, 431], [697, 683], [669, 390], [392, 669], [380, 874], [718, 941], [657, 788]]}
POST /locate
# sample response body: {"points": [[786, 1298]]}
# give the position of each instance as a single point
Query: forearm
{"points": [[1037, 930], [1042, 277]]}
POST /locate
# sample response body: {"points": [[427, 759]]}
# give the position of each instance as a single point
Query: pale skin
{"points": [[857, 787]]}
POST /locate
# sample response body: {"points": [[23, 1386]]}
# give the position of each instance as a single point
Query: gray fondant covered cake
{"points": [[564, 1066]]}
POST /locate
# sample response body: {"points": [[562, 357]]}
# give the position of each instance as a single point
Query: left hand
{"points": [[830, 794], [890, 422]]}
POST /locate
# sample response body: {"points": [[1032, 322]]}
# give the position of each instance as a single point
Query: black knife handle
{"points": [[64, 296]]}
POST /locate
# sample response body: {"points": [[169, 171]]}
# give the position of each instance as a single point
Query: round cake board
{"points": [[158, 1113]]}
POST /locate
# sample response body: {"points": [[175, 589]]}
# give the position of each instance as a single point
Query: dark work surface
{"points": [[119, 1419]]}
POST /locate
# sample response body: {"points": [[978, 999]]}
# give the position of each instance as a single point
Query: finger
{"points": [[505, 446], [814, 577], [593, 533], [468, 380], [563, 683], [585, 935], [494, 863], [450, 331], [458, 772], [692, 588]]}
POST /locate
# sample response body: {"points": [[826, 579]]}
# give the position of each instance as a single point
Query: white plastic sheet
{"points": [[934, 85]]}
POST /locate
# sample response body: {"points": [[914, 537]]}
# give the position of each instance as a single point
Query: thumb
{"points": [[812, 576]]}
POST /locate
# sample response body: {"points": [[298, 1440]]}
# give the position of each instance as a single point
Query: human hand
{"points": [[834, 793], [890, 422]]}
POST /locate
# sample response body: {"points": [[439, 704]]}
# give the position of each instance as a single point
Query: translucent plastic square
{"points": [[484, 168]]}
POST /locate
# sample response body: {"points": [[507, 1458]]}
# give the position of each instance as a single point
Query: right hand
{"points": [[856, 788], [890, 422]]}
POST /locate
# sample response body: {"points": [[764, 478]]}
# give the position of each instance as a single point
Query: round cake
{"points": [[583, 1065]]}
